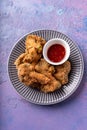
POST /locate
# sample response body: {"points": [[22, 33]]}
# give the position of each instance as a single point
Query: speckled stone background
{"points": [[18, 17]]}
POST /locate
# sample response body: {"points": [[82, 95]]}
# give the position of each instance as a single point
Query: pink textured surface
{"points": [[18, 17]]}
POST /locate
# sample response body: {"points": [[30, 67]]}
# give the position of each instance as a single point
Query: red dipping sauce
{"points": [[56, 52]]}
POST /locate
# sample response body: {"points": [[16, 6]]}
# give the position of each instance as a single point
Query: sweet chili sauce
{"points": [[56, 52]]}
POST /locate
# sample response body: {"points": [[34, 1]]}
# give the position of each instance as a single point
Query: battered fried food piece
{"points": [[51, 86], [34, 41], [41, 78], [30, 57], [28, 76], [47, 69], [19, 60], [43, 67], [62, 72], [23, 71], [33, 51]]}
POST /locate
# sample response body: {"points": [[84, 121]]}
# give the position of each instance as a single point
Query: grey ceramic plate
{"points": [[67, 90]]}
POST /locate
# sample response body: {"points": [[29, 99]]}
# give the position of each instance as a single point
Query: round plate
{"points": [[35, 96]]}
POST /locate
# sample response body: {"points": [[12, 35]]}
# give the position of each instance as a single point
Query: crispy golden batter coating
{"points": [[51, 86], [32, 56], [41, 78], [19, 60], [43, 67], [34, 71], [33, 52], [34, 41], [62, 72], [28, 76]]}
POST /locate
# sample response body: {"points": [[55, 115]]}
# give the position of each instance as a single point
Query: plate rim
{"points": [[65, 96]]}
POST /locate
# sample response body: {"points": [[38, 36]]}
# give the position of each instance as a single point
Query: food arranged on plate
{"points": [[33, 70]]}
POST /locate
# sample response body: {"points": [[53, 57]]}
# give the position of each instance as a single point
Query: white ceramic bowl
{"points": [[52, 42]]}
